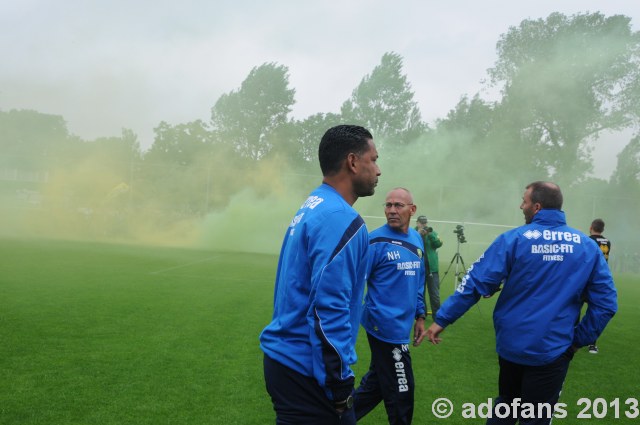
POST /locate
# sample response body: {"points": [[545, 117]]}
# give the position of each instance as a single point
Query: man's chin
{"points": [[369, 192]]}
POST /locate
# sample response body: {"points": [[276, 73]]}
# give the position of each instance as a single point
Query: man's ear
{"points": [[352, 160], [537, 206]]}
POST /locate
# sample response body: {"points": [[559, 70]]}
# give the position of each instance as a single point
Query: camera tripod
{"points": [[457, 259]]}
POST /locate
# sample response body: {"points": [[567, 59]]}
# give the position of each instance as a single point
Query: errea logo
{"points": [[312, 202], [553, 235], [397, 354], [532, 234]]}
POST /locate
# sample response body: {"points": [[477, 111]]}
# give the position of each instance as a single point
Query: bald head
{"points": [[399, 209], [402, 192]]}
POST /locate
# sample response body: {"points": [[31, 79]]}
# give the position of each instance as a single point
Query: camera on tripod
{"points": [[459, 231], [457, 258]]}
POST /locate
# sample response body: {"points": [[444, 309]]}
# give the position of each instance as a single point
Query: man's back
{"points": [[309, 345], [552, 265], [325, 237], [545, 266], [604, 244]]}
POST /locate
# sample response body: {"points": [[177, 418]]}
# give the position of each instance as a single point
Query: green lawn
{"points": [[114, 334]]}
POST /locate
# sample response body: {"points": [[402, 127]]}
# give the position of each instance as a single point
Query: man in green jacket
{"points": [[431, 243]]}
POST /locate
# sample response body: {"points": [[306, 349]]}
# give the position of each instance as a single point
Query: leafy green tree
{"points": [[311, 131], [34, 141], [298, 141], [564, 80], [471, 120], [621, 203], [627, 172], [117, 153], [175, 172], [245, 118], [467, 149], [383, 102], [182, 144]]}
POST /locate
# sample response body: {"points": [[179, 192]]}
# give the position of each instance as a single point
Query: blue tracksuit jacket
{"points": [[318, 292], [395, 287], [546, 266]]}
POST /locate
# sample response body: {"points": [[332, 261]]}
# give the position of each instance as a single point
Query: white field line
{"points": [[213, 279], [452, 222], [185, 265]]}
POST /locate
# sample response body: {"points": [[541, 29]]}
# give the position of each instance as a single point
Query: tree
{"points": [[471, 119], [311, 131], [622, 208], [182, 144], [383, 103], [470, 147], [33, 142], [627, 173], [564, 80], [175, 174], [117, 152], [245, 118]]}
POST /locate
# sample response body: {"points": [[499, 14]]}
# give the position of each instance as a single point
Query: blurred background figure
{"points": [[595, 233], [431, 243]]}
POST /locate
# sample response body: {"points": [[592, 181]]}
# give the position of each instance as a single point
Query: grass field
{"points": [[114, 334]]}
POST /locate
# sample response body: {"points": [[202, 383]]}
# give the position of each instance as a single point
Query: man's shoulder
{"points": [[324, 201], [516, 231], [382, 231], [325, 216], [385, 235], [334, 220], [325, 196]]}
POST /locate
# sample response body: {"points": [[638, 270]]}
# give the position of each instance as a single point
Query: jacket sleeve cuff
{"points": [[343, 389], [441, 322]]}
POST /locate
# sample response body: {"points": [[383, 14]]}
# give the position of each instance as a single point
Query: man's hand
{"points": [[433, 333], [418, 331]]}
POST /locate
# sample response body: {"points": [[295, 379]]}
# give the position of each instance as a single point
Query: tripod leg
{"points": [[462, 261], [462, 272], [449, 268]]}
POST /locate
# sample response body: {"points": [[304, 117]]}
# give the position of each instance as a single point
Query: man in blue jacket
{"points": [[309, 345], [545, 266], [394, 301]]}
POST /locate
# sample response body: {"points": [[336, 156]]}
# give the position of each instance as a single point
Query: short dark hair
{"points": [[598, 225], [340, 141], [547, 194]]}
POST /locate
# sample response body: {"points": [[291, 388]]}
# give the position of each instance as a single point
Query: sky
{"points": [[108, 65]]}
